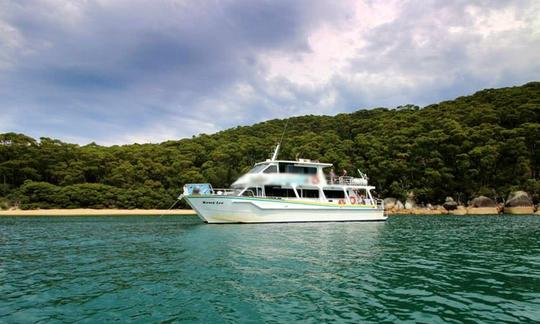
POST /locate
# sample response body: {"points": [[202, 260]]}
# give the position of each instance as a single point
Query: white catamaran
{"points": [[286, 191]]}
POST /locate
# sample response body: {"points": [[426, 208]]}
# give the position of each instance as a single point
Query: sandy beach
{"points": [[96, 212]]}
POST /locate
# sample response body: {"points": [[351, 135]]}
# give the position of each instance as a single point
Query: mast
{"points": [[276, 150]]}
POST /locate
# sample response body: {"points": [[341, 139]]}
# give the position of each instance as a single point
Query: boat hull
{"points": [[233, 209]]}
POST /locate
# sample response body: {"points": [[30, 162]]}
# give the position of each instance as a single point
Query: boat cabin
{"points": [[303, 179]]}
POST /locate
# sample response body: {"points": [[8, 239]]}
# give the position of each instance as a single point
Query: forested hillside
{"points": [[487, 143]]}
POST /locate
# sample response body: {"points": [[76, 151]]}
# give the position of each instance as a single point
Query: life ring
{"points": [[341, 202], [315, 180], [352, 199]]}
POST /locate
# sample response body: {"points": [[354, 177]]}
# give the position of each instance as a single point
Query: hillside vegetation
{"points": [[487, 143]]}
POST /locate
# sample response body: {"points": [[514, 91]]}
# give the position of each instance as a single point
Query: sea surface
{"points": [[178, 269]]}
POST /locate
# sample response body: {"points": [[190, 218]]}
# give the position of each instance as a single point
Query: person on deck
{"points": [[362, 200], [342, 178], [332, 176]]}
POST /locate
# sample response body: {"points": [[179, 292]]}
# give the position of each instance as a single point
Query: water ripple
{"points": [[422, 269]]}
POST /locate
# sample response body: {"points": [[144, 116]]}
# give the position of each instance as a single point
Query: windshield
{"points": [[257, 168]]}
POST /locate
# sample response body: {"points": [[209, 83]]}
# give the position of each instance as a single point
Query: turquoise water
{"points": [[411, 268]]}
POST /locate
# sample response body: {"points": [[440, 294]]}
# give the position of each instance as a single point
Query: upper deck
{"points": [[300, 173], [303, 162]]}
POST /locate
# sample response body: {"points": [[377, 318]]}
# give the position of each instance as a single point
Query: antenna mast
{"points": [[276, 150]]}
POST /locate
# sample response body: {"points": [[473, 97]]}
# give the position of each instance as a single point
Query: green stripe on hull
{"points": [[330, 205]]}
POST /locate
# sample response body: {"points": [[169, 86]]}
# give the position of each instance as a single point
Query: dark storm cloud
{"points": [[124, 71], [132, 57]]}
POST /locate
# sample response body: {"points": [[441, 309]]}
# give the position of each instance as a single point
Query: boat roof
{"points": [[297, 162]]}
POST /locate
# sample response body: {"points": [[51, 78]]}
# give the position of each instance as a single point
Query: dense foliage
{"points": [[487, 143]]}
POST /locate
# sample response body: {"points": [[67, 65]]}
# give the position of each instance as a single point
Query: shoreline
{"points": [[97, 212], [190, 212], [468, 211]]}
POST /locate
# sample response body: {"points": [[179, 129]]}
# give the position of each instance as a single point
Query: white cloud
{"points": [[424, 54], [494, 21], [331, 46]]}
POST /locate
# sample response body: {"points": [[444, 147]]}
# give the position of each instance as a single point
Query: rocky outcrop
{"points": [[450, 204], [519, 203], [482, 205], [482, 201], [410, 203], [399, 209], [482, 211], [460, 210], [519, 210], [390, 203], [394, 206], [519, 199]]}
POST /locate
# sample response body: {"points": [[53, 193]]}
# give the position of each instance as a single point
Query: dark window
{"points": [[334, 193], [273, 191], [250, 192], [271, 169], [283, 167], [291, 168], [308, 193]]}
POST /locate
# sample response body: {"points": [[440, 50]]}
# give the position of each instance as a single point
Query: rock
{"points": [[460, 210], [523, 210], [483, 201], [483, 205], [482, 211], [519, 199], [519, 203], [429, 206], [450, 204], [410, 203], [399, 205], [389, 203]]}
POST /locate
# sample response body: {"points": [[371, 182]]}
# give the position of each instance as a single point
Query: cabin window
{"points": [[271, 169], [273, 191], [334, 194], [308, 193], [291, 168]]}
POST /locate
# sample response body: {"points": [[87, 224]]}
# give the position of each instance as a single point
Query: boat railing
{"points": [[345, 180], [378, 203]]}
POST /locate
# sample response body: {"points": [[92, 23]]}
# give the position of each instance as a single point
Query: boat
{"points": [[286, 191]]}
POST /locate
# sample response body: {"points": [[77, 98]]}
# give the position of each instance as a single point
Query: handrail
{"points": [[345, 180], [379, 203]]}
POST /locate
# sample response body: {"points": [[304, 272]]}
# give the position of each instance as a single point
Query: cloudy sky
{"points": [[115, 71]]}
